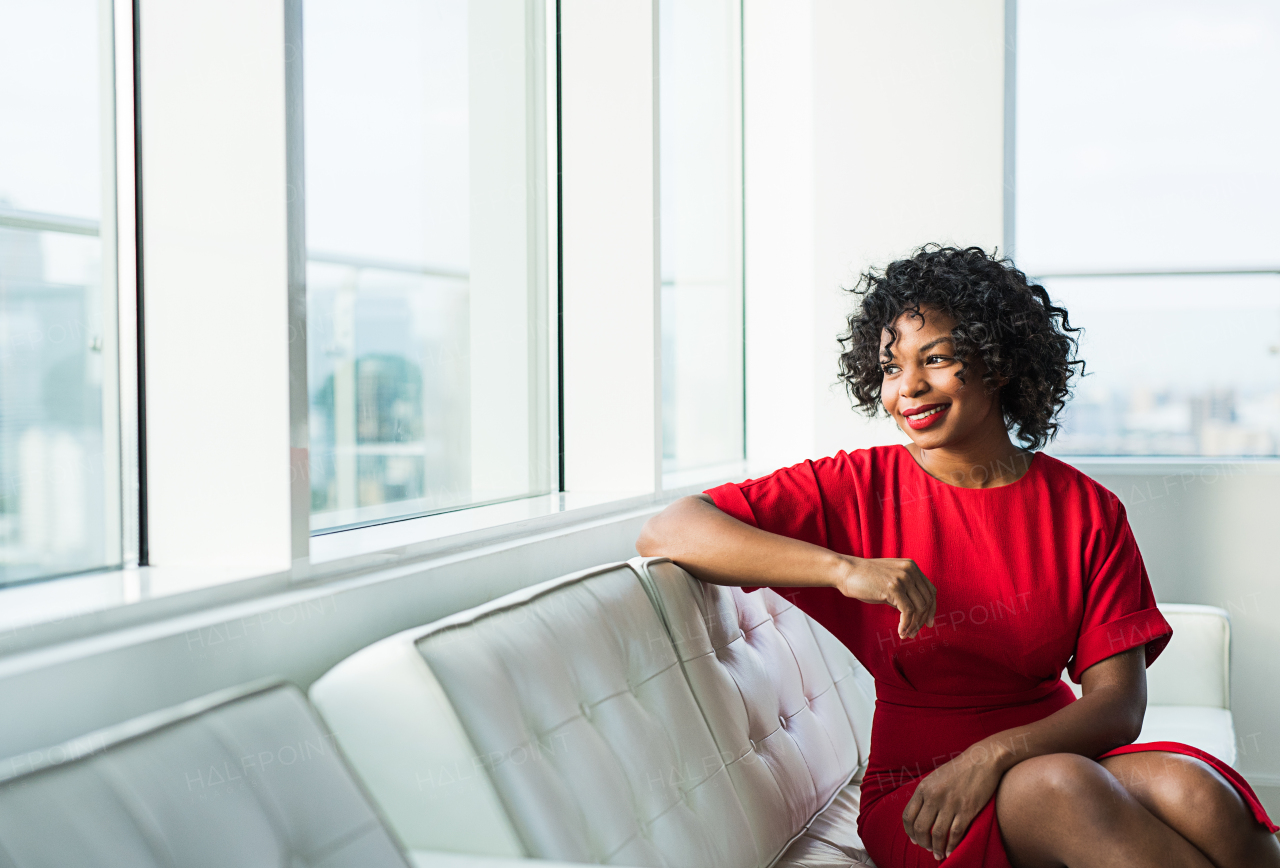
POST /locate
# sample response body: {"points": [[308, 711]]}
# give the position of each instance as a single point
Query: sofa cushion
{"points": [[1210, 729], [243, 777], [577, 712], [1193, 668], [787, 703], [831, 840]]}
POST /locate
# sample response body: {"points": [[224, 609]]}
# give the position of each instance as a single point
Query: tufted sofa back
{"points": [[784, 699], [563, 722], [582, 685], [555, 722]]}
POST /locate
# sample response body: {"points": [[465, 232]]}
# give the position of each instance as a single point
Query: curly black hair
{"points": [[1027, 343]]}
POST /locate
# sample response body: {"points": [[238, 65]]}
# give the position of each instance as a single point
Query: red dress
{"points": [[1032, 577]]}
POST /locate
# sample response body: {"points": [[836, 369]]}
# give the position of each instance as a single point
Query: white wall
{"points": [[900, 142]]}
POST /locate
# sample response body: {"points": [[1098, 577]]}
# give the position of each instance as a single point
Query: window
{"points": [[700, 135], [60, 457], [1146, 183], [427, 250]]}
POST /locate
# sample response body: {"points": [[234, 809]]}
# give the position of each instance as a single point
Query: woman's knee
{"points": [[1174, 786], [1191, 783], [1050, 782], [1192, 798], [1046, 805]]}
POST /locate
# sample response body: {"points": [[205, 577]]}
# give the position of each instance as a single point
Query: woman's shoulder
{"points": [[1067, 479], [859, 462], [831, 472]]}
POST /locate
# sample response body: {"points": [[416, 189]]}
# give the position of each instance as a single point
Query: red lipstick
{"points": [[925, 415]]}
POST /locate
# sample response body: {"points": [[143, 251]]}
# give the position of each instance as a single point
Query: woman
{"points": [[966, 572]]}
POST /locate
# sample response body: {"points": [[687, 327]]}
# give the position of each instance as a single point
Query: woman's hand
{"points": [[946, 801], [896, 582]]}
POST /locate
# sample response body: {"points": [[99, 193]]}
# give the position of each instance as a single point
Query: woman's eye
{"points": [[888, 369], [932, 359]]}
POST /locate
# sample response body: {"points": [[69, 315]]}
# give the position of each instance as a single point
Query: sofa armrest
{"points": [[1194, 668]]}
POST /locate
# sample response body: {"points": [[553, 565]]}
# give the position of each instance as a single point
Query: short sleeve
{"points": [[1120, 610], [787, 502]]}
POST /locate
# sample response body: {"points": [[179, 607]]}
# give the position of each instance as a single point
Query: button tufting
{"points": [[783, 722], [585, 709]]}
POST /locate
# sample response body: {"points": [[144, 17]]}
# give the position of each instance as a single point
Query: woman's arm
{"points": [[1107, 716], [717, 548]]}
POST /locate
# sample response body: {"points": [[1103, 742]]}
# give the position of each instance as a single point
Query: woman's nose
{"points": [[912, 383]]}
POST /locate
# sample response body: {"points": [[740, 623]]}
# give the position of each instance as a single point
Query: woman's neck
{"points": [[983, 462]]}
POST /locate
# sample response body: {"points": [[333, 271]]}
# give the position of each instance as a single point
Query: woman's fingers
{"points": [[918, 830], [959, 826], [940, 833], [916, 593], [911, 812], [911, 605], [899, 594], [928, 593], [901, 600]]}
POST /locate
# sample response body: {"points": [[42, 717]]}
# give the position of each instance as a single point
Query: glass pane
{"points": [[426, 287], [59, 453], [1183, 365], [1146, 138], [700, 134]]}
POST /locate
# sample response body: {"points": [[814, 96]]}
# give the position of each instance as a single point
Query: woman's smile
{"points": [[924, 416]]}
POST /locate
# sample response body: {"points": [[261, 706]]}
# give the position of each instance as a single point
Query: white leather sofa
{"points": [[628, 715], [631, 715]]}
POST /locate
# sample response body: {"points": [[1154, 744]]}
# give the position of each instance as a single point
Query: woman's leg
{"points": [[1187, 795], [1064, 809]]}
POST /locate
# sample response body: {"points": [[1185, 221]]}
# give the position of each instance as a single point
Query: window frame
{"points": [[117, 233]]}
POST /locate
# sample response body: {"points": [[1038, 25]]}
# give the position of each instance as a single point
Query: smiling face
{"points": [[921, 389]]}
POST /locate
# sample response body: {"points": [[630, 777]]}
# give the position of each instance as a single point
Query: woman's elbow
{"points": [[654, 538], [1131, 726], [658, 536], [1125, 721], [649, 544]]}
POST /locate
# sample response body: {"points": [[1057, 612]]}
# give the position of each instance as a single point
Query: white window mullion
{"points": [[216, 284], [610, 262]]}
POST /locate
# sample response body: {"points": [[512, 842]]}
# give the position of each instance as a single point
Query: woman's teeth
{"points": [[928, 413]]}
